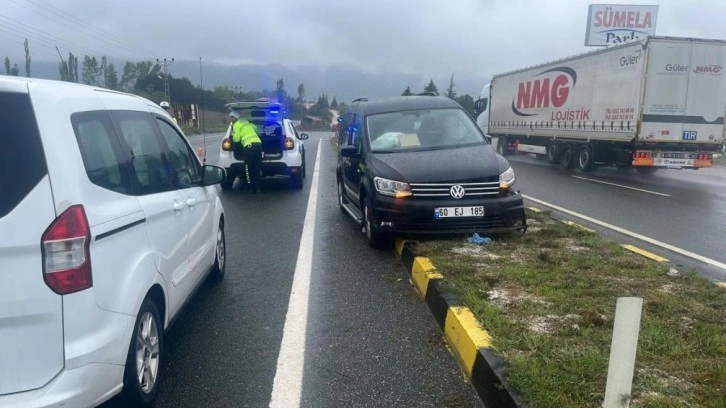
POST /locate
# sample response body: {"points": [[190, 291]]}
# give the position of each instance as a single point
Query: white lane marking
{"points": [[287, 387], [632, 234], [620, 185]]}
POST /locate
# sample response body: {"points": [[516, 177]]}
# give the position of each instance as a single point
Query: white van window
{"points": [[186, 167], [95, 138], [22, 162], [150, 170]]}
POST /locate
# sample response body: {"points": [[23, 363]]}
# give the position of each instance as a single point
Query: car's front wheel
{"points": [[374, 236], [220, 255], [142, 375]]}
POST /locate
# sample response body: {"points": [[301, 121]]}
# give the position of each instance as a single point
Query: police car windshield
{"points": [[421, 130]]}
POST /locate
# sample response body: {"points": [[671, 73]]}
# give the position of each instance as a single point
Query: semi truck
{"points": [[654, 103]]}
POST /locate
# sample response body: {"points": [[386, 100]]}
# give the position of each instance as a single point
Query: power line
{"points": [[11, 41], [44, 13], [106, 36], [38, 35], [20, 37]]}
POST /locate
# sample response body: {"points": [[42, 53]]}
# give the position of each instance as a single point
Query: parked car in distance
{"points": [[419, 164], [108, 225]]}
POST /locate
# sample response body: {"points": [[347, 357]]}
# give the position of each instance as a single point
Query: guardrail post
{"points": [[622, 352]]}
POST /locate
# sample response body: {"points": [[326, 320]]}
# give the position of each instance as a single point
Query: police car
{"points": [[282, 146]]}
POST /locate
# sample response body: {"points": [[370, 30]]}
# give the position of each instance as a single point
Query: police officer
{"points": [[165, 105], [245, 133]]}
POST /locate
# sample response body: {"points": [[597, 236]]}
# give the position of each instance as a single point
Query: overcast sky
{"points": [[430, 37]]}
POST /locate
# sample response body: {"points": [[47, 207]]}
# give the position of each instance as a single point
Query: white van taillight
{"points": [[66, 258]]}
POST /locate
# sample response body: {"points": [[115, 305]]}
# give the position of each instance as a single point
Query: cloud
{"points": [[429, 38]]}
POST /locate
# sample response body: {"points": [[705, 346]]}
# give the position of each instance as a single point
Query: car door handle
{"points": [[178, 205], [191, 202]]}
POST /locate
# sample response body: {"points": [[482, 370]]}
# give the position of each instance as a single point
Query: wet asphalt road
{"points": [[371, 342], [688, 212]]}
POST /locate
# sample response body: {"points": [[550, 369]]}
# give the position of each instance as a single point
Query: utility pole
{"points": [[165, 63]]}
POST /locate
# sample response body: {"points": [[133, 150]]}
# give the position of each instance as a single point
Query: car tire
{"points": [[341, 197], [220, 255], [228, 181], [304, 167], [297, 180], [567, 160], [374, 237], [145, 357], [585, 158]]}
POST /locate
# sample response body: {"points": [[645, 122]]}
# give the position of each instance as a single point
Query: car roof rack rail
{"points": [[361, 99], [428, 93]]}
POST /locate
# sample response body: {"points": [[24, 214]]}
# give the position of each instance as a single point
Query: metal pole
{"points": [[165, 64]]}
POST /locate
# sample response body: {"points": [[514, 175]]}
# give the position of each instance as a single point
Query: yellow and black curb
{"points": [[470, 343]]}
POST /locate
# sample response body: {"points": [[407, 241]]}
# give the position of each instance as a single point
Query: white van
{"points": [[108, 224]]}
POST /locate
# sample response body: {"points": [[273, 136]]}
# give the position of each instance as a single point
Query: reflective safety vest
{"points": [[244, 132]]}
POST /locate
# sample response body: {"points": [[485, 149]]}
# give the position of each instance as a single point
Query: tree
{"points": [[68, 69], [91, 71], [14, 70], [431, 87], [466, 102], [27, 59], [73, 67], [128, 77], [407, 91], [450, 90], [334, 104], [111, 77], [301, 92], [280, 93], [224, 93]]}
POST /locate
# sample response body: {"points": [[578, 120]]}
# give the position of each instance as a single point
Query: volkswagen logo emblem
{"points": [[457, 192]]}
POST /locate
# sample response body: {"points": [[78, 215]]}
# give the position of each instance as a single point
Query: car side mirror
{"points": [[212, 175], [489, 138], [350, 152], [303, 136]]}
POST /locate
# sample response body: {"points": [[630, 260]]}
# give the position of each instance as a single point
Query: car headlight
{"points": [[392, 188], [507, 178]]}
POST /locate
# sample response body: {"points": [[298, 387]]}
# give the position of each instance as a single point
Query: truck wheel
{"points": [[503, 145], [585, 158], [553, 153], [568, 157]]}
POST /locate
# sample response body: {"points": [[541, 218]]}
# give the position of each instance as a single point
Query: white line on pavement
{"points": [[632, 234], [620, 185], [287, 387]]}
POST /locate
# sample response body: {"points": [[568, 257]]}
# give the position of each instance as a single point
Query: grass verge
{"points": [[548, 299]]}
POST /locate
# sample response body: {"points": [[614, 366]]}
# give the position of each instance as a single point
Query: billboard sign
{"points": [[609, 24]]}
